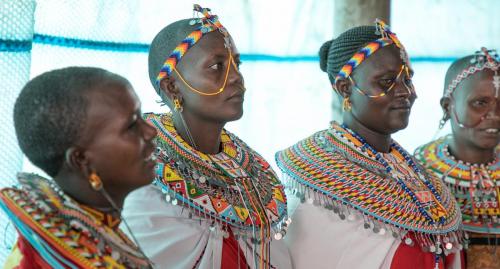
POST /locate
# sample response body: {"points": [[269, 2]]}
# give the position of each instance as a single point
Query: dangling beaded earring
{"points": [[443, 121], [177, 105], [95, 181], [346, 104]]}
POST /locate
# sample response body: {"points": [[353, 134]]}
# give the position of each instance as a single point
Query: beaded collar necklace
{"points": [[336, 169], [419, 198], [236, 187], [52, 221], [476, 187]]}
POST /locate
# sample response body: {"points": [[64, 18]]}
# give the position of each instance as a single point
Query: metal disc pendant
{"points": [[278, 236]]}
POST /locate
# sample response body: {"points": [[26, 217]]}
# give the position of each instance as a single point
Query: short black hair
{"points": [[50, 113], [334, 54], [455, 68], [162, 46]]}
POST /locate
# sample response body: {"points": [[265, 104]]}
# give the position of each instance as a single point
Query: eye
{"points": [[238, 63], [132, 125], [386, 83], [480, 102], [409, 81], [217, 66]]}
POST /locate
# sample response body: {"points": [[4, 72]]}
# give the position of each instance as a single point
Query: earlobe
{"points": [[445, 105], [167, 85], [342, 86]]}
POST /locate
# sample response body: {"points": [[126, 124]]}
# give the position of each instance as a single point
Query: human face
{"points": [[204, 67], [474, 105], [389, 113], [117, 141]]}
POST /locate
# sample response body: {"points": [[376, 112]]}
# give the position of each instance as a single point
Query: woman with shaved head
{"points": [[466, 160]]}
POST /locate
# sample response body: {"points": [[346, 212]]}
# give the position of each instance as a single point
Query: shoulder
{"points": [[428, 151]]}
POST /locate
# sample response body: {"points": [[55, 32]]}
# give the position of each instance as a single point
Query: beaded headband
{"points": [[208, 23], [484, 59], [387, 38]]}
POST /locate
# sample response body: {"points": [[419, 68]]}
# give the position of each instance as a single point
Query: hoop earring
{"points": [[346, 104], [177, 105], [95, 181]]}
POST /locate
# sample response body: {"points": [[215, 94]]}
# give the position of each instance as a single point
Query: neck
{"points": [[470, 153], [77, 187], [380, 142], [205, 134]]}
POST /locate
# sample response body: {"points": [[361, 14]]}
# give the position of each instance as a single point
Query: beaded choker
{"points": [[476, 187], [62, 231], [235, 187], [338, 170]]}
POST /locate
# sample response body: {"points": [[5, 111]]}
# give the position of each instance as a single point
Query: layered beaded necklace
{"points": [[420, 197], [235, 188], [57, 226], [476, 187], [338, 170]]}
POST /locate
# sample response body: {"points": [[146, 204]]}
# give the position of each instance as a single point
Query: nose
{"points": [[235, 75], [494, 112], [148, 131], [404, 91]]}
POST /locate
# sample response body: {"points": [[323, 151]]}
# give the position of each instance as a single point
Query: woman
{"points": [[83, 127], [215, 203], [397, 216], [466, 160]]}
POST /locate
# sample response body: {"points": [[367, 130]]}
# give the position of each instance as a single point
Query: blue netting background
{"points": [[288, 97]]}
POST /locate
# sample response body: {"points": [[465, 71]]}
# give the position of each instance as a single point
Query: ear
{"points": [[169, 87], [445, 105], [76, 159], [343, 87]]}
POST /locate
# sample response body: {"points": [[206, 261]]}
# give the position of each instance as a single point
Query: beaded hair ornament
{"points": [[388, 38], [208, 23], [484, 59]]}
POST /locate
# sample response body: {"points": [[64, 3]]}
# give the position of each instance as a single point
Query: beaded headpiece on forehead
{"points": [[387, 38], [208, 23], [484, 59]]}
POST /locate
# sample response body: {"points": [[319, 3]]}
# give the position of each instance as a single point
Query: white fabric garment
{"points": [[172, 240], [318, 239]]}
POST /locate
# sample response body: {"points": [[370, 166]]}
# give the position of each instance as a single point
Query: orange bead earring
{"points": [[95, 181]]}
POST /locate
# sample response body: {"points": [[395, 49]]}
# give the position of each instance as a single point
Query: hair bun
{"points": [[323, 55]]}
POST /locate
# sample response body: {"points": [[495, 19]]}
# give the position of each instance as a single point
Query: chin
{"points": [[233, 115], [486, 144], [485, 141], [398, 125]]}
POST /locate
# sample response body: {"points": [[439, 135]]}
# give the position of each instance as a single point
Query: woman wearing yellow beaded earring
{"points": [[177, 105], [104, 133], [346, 104], [95, 181]]}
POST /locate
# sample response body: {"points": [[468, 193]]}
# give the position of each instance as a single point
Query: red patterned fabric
{"points": [[412, 257]]}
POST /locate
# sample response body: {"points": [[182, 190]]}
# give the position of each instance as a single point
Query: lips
{"points": [[404, 105], [238, 95], [151, 156], [491, 131]]}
